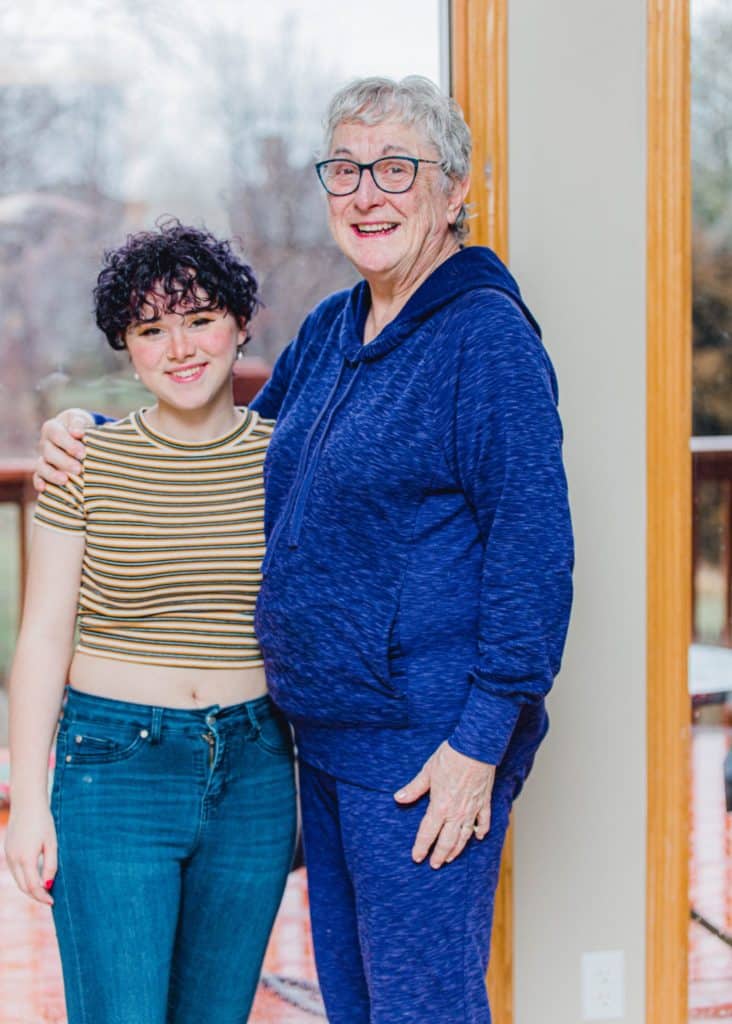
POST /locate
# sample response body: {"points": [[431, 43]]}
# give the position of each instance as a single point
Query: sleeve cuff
{"points": [[485, 726]]}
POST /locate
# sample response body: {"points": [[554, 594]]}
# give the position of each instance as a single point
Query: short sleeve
{"points": [[61, 506]]}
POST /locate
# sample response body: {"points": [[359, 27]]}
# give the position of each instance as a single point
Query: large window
{"points": [[711, 654], [112, 115]]}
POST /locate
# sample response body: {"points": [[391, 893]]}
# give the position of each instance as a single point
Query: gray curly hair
{"points": [[416, 101]]}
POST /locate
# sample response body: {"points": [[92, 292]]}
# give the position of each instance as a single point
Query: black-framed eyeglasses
{"points": [[389, 173]]}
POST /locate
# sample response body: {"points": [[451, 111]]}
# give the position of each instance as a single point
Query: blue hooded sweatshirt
{"points": [[417, 581]]}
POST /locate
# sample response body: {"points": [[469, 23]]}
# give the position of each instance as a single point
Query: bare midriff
{"points": [[163, 686]]}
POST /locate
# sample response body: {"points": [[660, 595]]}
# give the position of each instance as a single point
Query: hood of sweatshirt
{"points": [[468, 270]]}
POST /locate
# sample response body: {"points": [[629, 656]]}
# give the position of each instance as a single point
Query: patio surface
{"points": [[710, 959], [31, 990]]}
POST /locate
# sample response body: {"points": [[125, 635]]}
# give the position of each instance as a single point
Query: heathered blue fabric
{"points": [[417, 581], [396, 942]]}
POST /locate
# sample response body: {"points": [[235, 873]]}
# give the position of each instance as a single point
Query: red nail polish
{"points": [[48, 885]]}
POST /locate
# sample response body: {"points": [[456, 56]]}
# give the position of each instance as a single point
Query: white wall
{"points": [[577, 221]]}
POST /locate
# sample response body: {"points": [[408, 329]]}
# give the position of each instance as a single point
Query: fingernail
{"points": [[48, 884], [400, 794]]}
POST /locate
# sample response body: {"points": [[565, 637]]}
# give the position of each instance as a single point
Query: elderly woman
{"points": [[416, 586]]}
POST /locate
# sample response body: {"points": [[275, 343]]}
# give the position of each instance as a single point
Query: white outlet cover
{"points": [[603, 985]]}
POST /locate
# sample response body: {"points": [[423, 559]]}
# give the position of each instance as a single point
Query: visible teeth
{"points": [[186, 373], [369, 228]]}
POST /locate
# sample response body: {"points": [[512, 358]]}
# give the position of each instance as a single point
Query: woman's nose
{"points": [[368, 193], [181, 343]]}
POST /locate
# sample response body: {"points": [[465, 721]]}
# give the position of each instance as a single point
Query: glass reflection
{"points": [[710, 675], [110, 116]]}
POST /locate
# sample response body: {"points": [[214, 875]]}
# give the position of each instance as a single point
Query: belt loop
{"points": [[156, 725], [252, 716]]}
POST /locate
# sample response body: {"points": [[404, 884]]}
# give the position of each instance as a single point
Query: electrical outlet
{"points": [[603, 983]]}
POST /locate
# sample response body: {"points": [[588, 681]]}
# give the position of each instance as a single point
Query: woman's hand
{"points": [[60, 447], [460, 804], [31, 836]]}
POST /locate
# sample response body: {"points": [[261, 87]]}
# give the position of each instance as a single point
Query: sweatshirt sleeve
{"points": [[507, 453]]}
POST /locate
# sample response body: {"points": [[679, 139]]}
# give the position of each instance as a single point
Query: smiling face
{"points": [[185, 357], [393, 239]]}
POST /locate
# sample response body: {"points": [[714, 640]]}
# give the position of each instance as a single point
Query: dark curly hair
{"points": [[161, 270]]}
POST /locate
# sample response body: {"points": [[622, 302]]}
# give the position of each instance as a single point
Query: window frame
{"points": [[478, 76], [479, 83], [669, 509]]}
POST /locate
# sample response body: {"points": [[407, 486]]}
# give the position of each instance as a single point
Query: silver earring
{"points": [[136, 376], [240, 352]]}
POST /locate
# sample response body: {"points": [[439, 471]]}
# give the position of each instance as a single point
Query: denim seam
{"points": [[81, 757], [72, 927], [203, 813], [270, 748]]}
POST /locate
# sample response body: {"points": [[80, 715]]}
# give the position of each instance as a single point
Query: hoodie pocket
{"points": [[329, 653]]}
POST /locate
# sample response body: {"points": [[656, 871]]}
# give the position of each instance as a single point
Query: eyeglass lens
{"points": [[391, 174]]}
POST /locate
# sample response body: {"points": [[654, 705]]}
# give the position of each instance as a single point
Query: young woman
{"points": [[170, 832]]}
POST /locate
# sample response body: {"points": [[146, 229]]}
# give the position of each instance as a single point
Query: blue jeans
{"points": [[175, 832]]}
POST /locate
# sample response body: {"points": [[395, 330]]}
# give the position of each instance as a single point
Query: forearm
{"points": [[37, 683], [42, 654]]}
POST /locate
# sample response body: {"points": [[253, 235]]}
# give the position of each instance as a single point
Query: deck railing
{"points": [[712, 462]]}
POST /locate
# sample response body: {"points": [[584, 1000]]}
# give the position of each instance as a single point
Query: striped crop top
{"points": [[174, 543]]}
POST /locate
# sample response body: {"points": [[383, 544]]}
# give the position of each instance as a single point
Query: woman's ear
{"points": [[458, 194]]}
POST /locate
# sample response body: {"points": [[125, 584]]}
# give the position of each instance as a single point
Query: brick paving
{"points": [[710, 959], [31, 990]]}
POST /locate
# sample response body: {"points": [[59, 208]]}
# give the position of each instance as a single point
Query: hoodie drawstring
{"points": [[303, 475], [309, 475]]}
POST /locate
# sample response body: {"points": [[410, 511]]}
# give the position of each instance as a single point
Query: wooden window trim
{"points": [[479, 84], [479, 57], [668, 549], [479, 77]]}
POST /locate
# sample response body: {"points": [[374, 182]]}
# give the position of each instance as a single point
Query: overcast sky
{"points": [[389, 37], [699, 7], [177, 63]]}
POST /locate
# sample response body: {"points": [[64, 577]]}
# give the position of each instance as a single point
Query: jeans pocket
{"points": [[273, 734], [99, 743]]}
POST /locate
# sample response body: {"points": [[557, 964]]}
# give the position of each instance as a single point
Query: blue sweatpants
{"points": [[396, 942]]}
